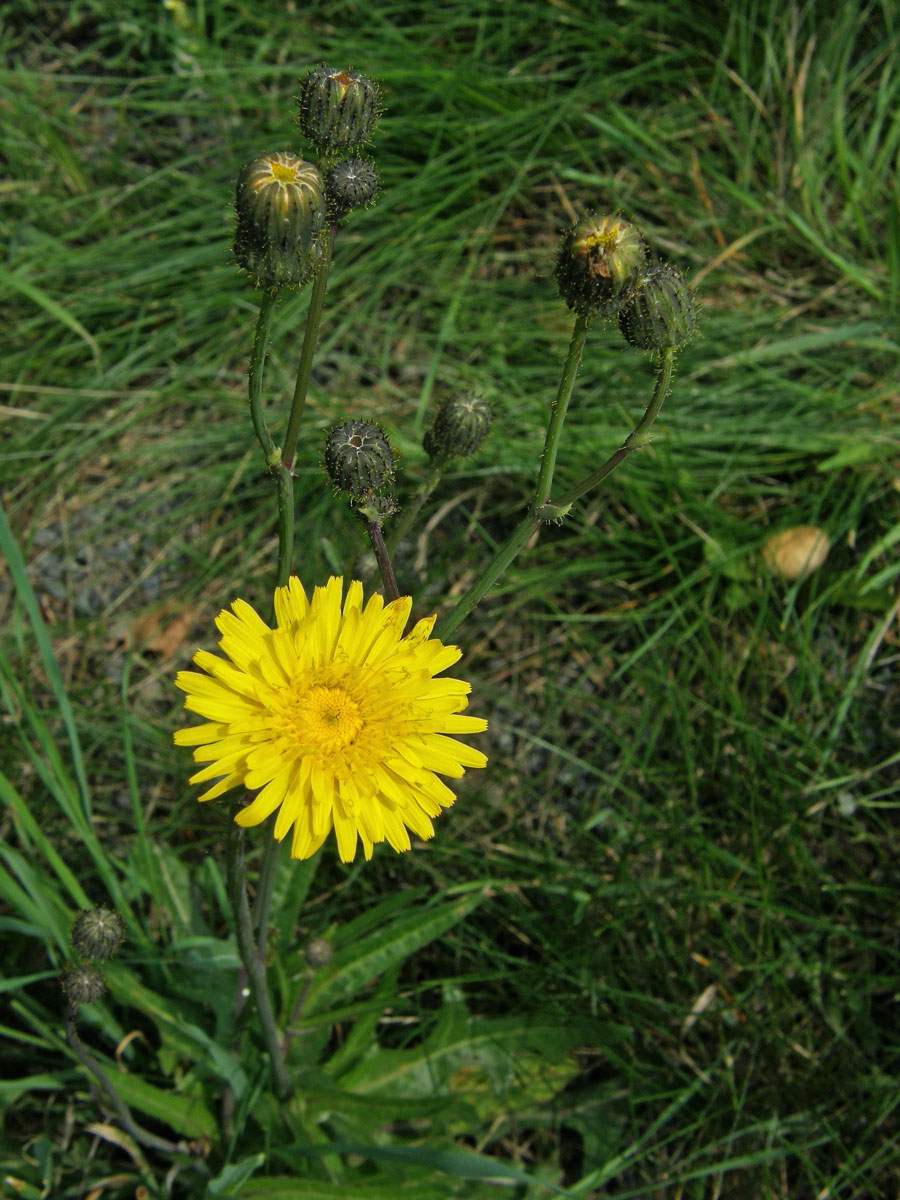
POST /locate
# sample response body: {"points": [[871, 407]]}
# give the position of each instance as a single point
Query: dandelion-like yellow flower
{"points": [[334, 715]]}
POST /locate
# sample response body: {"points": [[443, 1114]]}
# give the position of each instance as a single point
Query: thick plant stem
{"points": [[373, 529], [488, 577], [257, 362], [635, 439], [150, 1140], [558, 410], [263, 905], [304, 367], [530, 524], [284, 482], [255, 967]]}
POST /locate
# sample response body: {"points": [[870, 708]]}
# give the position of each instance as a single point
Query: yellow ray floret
{"points": [[333, 718]]}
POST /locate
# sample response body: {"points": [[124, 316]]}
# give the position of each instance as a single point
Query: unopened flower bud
{"points": [[337, 109], [661, 313], [349, 184], [97, 933], [598, 264], [280, 217], [81, 984], [460, 426], [358, 458], [318, 952]]}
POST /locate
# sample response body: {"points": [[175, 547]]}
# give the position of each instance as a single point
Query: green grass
{"points": [[690, 801]]}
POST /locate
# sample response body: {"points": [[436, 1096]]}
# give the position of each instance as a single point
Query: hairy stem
{"points": [[531, 523], [257, 363], [256, 971], [373, 529], [635, 439], [150, 1140], [304, 367]]}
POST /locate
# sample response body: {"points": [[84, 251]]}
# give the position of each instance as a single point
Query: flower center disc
{"points": [[283, 174], [328, 718]]}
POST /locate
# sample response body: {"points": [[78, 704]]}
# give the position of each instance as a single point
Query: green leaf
{"points": [[358, 964], [231, 1178], [192, 1042], [29, 602], [459, 1164], [286, 1187], [458, 1044], [188, 1116], [16, 281], [856, 453]]}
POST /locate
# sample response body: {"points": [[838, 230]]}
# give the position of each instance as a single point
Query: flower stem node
{"points": [[337, 109], [81, 984], [280, 204], [97, 933], [553, 513], [662, 313], [461, 425], [635, 441], [599, 262], [359, 458], [348, 185], [374, 508]]}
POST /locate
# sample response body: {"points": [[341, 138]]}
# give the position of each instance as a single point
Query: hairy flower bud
{"points": [[662, 312], [97, 933], [81, 984], [280, 216], [358, 458], [460, 426], [337, 109], [349, 184], [599, 262], [318, 952]]}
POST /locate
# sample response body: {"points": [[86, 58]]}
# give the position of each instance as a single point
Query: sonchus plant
{"points": [[329, 716], [334, 718]]}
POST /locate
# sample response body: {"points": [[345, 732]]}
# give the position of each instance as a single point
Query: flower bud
{"points": [[97, 933], [599, 262], [349, 184], [280, 216], [337, 109], [460, 426], [662, 312], [81, 984], [318, 952], [358, 458]]}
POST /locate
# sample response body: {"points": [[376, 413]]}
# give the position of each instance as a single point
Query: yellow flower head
{"points": [[334, 715]]}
